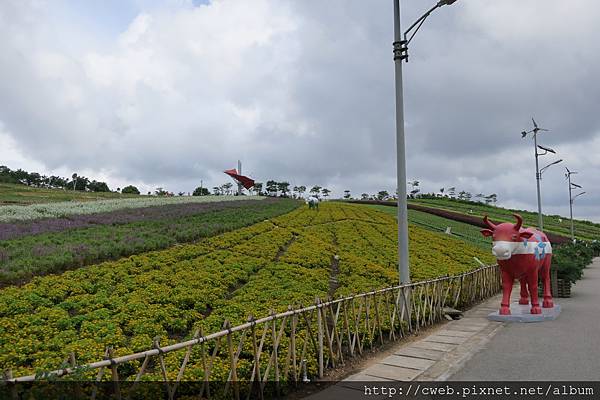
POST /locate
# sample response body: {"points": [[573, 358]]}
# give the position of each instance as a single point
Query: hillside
{"points": [[585, 230], [279, 262], [16, 194], [460, 230]]}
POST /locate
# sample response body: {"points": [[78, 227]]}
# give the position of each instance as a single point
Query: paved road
{"points": [[565, 349]]}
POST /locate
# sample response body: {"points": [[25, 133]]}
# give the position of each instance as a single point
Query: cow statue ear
{"points": [[525, 235], [486, 232]]}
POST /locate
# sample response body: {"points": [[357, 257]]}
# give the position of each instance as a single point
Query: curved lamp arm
{"points": [[418, 23]]}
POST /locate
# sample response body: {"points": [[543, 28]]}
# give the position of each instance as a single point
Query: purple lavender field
{"points": [[52, 245]]}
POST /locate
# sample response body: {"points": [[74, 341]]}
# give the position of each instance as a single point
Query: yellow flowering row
{"points": [[286, 261]]}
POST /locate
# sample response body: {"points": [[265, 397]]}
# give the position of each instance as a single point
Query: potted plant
{"points": [[568, 262]]}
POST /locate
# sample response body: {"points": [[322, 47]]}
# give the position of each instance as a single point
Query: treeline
{"points": [[36, 179], [271, 188], [415, 193]]}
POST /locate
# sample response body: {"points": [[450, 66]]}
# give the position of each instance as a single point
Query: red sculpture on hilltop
{"points": [[522, 254]]}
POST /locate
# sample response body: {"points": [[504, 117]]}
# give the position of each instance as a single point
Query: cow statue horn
{"points": [[519, 222], [488, 222]]}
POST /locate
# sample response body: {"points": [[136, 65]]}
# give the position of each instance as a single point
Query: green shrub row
{"points": [[570, 259]]}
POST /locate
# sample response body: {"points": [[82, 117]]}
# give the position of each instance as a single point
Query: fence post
{"points": [[320, 335]]}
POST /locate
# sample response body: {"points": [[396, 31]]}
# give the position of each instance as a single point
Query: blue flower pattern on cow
{"points": [[540, 250]]}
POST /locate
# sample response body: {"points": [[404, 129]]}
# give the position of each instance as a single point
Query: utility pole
{"points": [[239, 173], [538, 178], [572, 199], [401, 42], [399, 55]]}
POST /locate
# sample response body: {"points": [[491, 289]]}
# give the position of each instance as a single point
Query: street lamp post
{"points": [[549, 165], [572, 199], [401, 54], [538, 172]]}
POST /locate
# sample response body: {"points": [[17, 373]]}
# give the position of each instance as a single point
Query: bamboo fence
{"points": [[286, 349]]}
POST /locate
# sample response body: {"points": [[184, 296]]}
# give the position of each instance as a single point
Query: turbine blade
{"points": [[534, 124]]}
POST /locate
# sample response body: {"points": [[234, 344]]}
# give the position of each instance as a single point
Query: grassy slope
{"points": [[278, 262], [434, 223], [23, 195], [552, 223]]}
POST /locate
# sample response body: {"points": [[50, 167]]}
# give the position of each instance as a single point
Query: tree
{"points": [[216, 190], [382, 195], [161, 192], [258, 187], [415, 187], [325, 192], [347, 194], [468, 196], [180, 194], [201, 191], [295, 191], [461, 195], [441, 192], [479, 196], [284, 188], [227, 188], [95, 186], [315, 190], [74, 176], [364, 196], [130, 190], [452, 192], [492, 198], [301, 190], [272, 188]]}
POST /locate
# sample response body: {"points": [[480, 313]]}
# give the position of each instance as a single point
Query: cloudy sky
{"points": [[168, 93]]}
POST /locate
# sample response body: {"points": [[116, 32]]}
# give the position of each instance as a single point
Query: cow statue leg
{"points": [[547, 303], [532, 283], [507, 284], [524, 292]]}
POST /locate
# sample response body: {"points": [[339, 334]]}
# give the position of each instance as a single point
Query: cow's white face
{"points": [[503, 250]]}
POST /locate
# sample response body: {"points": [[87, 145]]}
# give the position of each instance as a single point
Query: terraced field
{"points": [[469, 233], [585, 230], [285, 260], [79, 237]]}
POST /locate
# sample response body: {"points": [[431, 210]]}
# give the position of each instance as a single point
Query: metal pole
{"points": [[571, 209], [239, 172], [403, 266], [538, 177]]}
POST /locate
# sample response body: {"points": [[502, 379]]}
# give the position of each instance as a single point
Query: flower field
{"points": [[18, 194], [67, 208], [282, 261], [38, 247]]}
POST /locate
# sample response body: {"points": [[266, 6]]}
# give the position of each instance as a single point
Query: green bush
{"points": [[570, 259], [595, 246], [130, 190]]}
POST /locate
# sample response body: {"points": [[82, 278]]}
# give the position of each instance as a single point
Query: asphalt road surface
{"points": [[567, 348]]}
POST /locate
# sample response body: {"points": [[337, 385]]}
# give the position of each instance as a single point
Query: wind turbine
{"points": [[572, 198], [538, 176]]}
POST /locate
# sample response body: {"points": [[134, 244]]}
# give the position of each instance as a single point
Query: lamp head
{"points": [[445, 3]]}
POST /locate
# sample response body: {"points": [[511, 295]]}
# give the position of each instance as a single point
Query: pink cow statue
{"points": [[522, 254]]}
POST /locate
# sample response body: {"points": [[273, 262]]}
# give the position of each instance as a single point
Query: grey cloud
{"points": [[304, 91]]}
